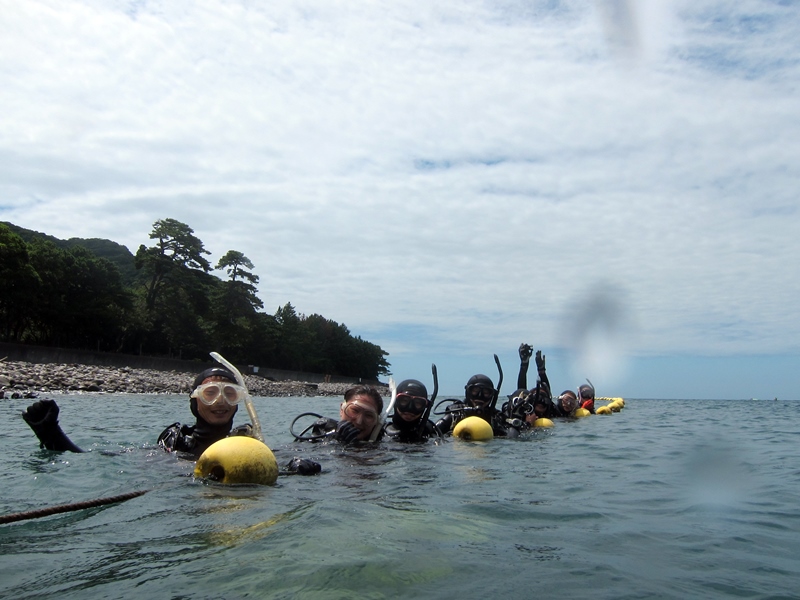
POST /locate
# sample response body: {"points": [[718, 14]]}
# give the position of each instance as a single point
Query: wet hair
{"points": [[365, 390]]}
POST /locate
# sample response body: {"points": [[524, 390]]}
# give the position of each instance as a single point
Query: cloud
{"points": [[464, 171]]}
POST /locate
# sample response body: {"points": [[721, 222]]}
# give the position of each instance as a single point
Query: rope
{"points": [[53, 510]]}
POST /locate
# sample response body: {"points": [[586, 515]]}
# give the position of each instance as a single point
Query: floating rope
{"points": [[53, 510]]}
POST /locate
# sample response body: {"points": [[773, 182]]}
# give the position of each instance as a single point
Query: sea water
{"points": [[665, 499]]}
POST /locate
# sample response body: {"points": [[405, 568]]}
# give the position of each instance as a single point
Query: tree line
{"points": [[163, 301]]}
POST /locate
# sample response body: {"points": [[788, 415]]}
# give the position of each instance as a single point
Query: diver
{"points": [[480, 399], [410, 410], [359, 419], [586, 394], [567, 403], [219, 395], [525, 405]]}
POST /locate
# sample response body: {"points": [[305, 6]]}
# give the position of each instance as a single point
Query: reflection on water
{"points": [[667, 499]]}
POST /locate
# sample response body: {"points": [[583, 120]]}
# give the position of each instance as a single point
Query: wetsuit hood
{"points": [[212, 372]]}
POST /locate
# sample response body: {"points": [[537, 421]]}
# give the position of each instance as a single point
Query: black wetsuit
{"points": [[411, 432], [540, 396], [343, 431], [459, 410], [188, 441], [195, 439]]}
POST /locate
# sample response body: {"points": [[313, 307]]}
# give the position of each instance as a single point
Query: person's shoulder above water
{"points": [[408, 421], [359, 419]]}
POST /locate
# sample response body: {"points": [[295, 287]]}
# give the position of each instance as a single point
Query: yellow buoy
{"points": [[473, 428], [238, 459], [543, 423], [581, 412], [615, 406], [603, 410]]}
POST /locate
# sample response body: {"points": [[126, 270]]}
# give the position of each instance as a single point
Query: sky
{"points": [[613, 181]]}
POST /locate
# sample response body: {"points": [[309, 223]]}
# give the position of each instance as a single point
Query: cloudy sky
{"points": [[614, 182]]}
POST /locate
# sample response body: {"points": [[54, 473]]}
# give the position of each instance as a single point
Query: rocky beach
{"points": [[22, 379]]}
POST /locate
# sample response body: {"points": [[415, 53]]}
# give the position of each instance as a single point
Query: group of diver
{"points": [[217, 393], [409, 415]]}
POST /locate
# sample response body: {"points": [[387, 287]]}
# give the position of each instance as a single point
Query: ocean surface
{"points": [[666, 499]]}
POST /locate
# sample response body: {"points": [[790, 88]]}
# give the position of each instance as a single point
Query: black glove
{"points": [[346, 432], [539, 361], [42, 418], [525, 352], [303, 466], [245, 430]]}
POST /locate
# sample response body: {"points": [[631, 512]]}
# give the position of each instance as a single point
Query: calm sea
{"points": [[666, 499]]}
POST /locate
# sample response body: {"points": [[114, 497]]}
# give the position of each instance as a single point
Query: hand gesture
{"points": [[525, 352], [303, 466], [539, 361], [41, 415], [346, 432]]}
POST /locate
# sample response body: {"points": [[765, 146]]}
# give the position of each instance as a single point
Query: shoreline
{"points": [[31, 380]]}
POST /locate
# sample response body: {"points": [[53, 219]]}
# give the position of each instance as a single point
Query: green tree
{"points": [[235, 305], [18, 282], [177, 249], [81, 301], [240, 289]]}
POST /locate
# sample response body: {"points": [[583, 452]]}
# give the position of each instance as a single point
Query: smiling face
{"points": [[220, 412], [361, 411]]}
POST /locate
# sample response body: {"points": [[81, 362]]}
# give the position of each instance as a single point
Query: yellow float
{"points": [[615, 406], [543, 422], [474, 429], [603, 410], [580, 413], [238, 459]]}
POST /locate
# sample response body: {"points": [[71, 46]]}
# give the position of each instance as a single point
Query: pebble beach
{"points": [[22, 379]]}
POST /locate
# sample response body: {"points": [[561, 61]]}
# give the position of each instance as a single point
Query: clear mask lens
{"points": [[210, 393], [360, 413]]}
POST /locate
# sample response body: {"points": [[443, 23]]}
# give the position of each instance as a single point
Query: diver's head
{"points": [[362, 407], [516, 403], [586, 392], [518, 395], [479, 391], [541, 400], [215, 396], [411, 402], [567, 401]]}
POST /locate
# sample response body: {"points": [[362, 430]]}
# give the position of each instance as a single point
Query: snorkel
{"points": [[499, 382], [425, 415], [248, 401], [390, 406], [378, 429]]}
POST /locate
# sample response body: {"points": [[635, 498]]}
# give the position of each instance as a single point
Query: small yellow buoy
{"points": [[580, 412], [238, 459], [615, 406], [473, 428], [543, 423], [603, 410]]}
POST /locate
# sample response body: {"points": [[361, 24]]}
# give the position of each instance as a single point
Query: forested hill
{"points": [[163, 300], [116, 253]]}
